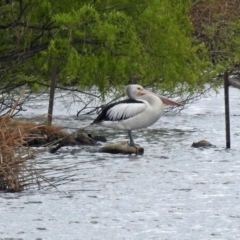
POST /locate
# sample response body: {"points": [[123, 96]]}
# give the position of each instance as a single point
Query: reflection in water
{"points": [[173, 191]]}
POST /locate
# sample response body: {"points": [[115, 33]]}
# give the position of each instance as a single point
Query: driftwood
{"points": [[122, 148], [71, 140], [45, 135]]}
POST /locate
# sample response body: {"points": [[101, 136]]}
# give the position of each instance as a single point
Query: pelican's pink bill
{"points": [[165, 100]]}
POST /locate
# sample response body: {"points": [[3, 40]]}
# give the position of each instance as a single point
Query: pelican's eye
{"points": [[140, 91]]}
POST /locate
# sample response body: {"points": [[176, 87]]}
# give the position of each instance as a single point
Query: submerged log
{"points": [[84, 139], [122, 148], [98, 138], [72, 140]]}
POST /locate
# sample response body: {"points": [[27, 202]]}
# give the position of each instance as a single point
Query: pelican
{"points": [[142, 109]]}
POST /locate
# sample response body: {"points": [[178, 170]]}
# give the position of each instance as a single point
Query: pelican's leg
{"points": [[131, 138]]}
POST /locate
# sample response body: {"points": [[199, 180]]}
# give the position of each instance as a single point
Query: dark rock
{"points": [[203, 144]]}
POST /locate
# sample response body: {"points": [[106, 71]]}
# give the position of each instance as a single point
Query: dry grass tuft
{"points": [[12, 156]]}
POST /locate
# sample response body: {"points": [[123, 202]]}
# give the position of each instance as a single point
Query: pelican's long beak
{"points": [[165, 100]]}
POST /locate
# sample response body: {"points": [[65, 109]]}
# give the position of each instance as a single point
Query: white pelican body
{"points": [[142, 109]]}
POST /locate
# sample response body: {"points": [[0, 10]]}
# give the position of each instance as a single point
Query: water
{"points": [[172, 192]]}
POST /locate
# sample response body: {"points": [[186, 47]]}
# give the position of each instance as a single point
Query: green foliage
{"points": [[102, 43]]}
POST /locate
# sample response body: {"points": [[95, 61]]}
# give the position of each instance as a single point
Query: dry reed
{"points": [[13, 155], [16, 172]]}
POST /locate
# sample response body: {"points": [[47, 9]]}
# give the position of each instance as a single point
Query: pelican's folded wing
{"points": [[121, 110]]}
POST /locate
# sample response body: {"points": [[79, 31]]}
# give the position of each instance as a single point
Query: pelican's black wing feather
{"points": [[120, 110]]}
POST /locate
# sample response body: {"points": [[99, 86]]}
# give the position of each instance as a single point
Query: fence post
{"points": [[227, 117]]}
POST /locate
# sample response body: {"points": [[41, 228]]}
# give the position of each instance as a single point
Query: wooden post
{"points": [[227, 117], [51, 96]]}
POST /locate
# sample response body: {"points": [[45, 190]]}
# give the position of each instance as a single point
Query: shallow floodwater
{"points": [[173, 191]]}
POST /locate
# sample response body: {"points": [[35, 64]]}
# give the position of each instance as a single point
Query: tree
{"points": [[100, 43]]}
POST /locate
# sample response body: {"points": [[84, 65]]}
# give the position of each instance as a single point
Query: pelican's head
{"points": [[135, 91]]}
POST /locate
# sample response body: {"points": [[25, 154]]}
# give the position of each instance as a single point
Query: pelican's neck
{"points": [[129, 93], [154, 101]]}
